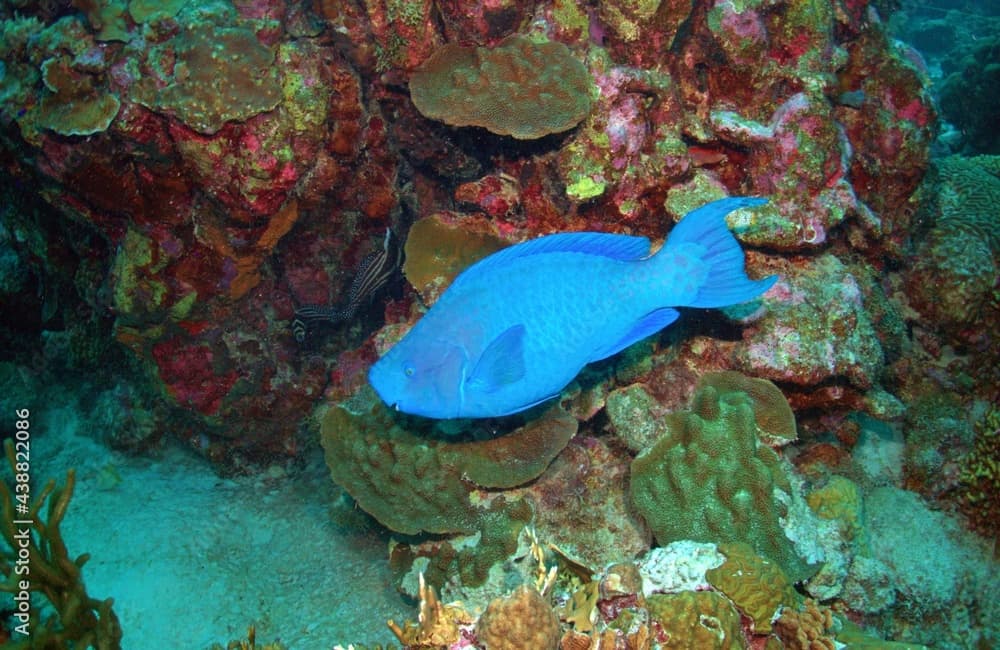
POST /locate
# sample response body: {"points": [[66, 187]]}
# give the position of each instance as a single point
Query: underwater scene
{"points": [[500, 324]]}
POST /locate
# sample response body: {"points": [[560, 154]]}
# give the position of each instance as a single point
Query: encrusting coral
{"points": [[519, 88], [440, 246], [220, 73], [696, 620], [81, 621], [412, 484]]}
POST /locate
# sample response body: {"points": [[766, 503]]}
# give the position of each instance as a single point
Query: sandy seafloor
{"points": [[192, 559]]}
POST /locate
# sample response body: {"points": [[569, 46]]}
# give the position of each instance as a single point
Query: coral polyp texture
{"points": [[956, 264], [522, 620], [211, 75], [413, 485], [708, 478], [519, 88]]}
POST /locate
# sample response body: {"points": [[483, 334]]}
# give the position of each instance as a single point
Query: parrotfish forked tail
{"points": [[516, 327]]}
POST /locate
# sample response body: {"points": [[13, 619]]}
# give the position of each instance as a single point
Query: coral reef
{"points": [[709, 479], [413, 484], [522, 620], [965, 97], [242, 157], [79, 619], [519, 88], [199, 171], [957, 261], [756, 586]]}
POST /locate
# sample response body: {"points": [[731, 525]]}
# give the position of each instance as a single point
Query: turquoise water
{"points": [[206, 208]]}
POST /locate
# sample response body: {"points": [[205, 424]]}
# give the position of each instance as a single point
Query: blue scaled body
{"points": [[516, 327]]}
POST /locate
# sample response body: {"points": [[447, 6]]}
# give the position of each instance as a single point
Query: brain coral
{"points": [[709, 479], [956, 264], [519, 88], [521, 620], [211, 75], [757, 587]]}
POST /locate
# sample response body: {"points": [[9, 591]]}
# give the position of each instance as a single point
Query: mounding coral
{"points": [[413, 484], [708, 478], [524, 619], [957, 262]]}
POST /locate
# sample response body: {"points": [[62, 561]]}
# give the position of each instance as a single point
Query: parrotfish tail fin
{"points": [[727, 282]]}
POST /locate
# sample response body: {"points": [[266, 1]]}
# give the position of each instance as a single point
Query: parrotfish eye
{"points": [[408, 370]]}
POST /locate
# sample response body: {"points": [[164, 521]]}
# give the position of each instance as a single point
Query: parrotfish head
{"points": [[423, 379]]}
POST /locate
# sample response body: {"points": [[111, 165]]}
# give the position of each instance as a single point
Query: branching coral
{"points": [[80, 621], [437, 624]]}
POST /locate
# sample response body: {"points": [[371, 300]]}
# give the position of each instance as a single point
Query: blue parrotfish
{"points": [[516, 327]]}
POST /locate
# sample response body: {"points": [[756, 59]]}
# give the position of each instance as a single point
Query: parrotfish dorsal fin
{"points": [[617, 247], [648, 325], [502, 362]]}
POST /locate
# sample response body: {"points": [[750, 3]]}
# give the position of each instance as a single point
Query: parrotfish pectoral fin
{"points": [[502, 362], [727, 282], [648, 325]]}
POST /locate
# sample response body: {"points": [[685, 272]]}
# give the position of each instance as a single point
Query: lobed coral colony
{"points": [[806, 470]]}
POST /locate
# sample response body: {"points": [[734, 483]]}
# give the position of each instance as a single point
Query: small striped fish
{"points": [[372, 275]]}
